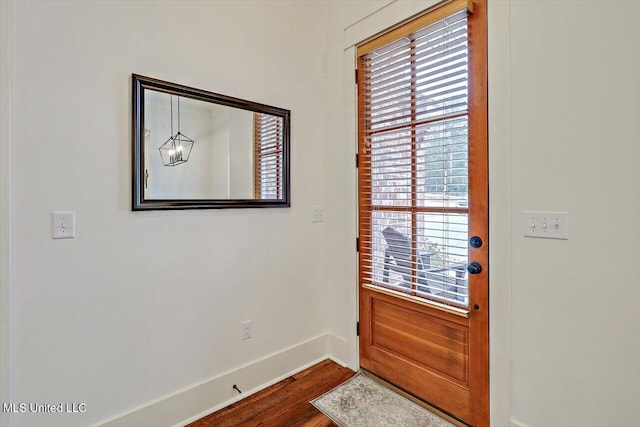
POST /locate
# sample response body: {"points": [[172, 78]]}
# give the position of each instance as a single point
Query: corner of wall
{"points": [[499, 211], [6, 39], [216, 393]]}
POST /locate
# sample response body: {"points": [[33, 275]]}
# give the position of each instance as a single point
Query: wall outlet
{"points": [[245, 330], [317, 214]]}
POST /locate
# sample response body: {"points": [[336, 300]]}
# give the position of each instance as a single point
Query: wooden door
{"points": [[423, 196]]}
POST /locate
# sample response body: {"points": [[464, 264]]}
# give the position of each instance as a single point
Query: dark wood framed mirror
{"points": [[194, 149]]}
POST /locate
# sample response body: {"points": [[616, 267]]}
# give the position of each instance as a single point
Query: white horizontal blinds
{"points": [[268, 156], [414, 170]]}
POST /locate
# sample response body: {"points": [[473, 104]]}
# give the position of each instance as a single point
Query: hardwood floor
{"points": [[285, 403]]}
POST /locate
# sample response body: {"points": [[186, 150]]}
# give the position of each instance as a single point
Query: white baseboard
{"points": [[195, 402], [515, 423], [342, 352]]}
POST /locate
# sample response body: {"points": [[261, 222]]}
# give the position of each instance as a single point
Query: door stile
{"points": [[479, 214]]}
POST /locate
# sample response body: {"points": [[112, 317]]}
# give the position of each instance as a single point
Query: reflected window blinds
{"points": [[267, 156]]}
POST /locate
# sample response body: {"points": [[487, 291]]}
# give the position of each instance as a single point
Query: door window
{"points": [[414, 158]]}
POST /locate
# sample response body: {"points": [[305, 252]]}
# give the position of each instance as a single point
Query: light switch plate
{"points": [[317, 214], [63, 225], [546, 225]]}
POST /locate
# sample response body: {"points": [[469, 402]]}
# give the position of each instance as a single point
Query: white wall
{"points": [[575, 133], [143, 304], [6, 249]]}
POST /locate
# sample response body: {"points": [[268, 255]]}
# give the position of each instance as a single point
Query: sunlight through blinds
{"points": [[413, 175]]}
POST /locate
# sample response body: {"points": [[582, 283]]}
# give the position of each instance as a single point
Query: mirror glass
{"points": [[198, 149]]}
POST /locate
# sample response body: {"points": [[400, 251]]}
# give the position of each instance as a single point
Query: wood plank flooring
{"points": [[285, 403]]}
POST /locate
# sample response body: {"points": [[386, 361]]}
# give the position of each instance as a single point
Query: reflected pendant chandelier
{"points": [[177, 148]]}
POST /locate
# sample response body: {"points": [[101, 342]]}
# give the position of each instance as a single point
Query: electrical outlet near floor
{"points": [[245, 330]]}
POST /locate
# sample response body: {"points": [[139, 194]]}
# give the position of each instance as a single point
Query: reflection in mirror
{"points": [[196, 149], [220, 164]]}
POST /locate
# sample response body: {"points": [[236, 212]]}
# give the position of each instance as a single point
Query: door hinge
{"points": [[357, 329], [357, 160], [357, 244], [356, 73]]}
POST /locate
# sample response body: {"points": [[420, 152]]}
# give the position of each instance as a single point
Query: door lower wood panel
{"points": [[408, 342]]}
